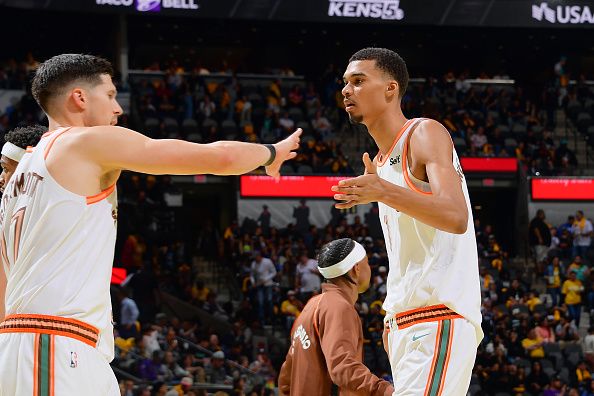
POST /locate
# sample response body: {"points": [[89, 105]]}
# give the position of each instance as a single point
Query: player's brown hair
{"points": [[54, 75]]}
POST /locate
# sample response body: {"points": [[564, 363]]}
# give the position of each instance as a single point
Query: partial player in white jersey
{"points": [[58, 222], [433, 319], [18, 141]]}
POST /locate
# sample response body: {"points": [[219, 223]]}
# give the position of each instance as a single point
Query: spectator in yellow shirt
{"points": [[572, 289], [291, 308], [533, 345], [582, 374], [553, 274], [199, 293]]}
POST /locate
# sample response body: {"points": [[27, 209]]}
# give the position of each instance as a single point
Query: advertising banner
{"points": [[500, 13]]}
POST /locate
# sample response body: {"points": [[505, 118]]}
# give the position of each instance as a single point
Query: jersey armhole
{"points": [[409, 182]]}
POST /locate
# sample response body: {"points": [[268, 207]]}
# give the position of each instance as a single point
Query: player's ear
{"points": [[357, 270], [392, 89], [79, 98]]}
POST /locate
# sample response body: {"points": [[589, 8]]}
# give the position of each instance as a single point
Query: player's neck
{"points": [[384, 130], [350, 289], [61, 121]]}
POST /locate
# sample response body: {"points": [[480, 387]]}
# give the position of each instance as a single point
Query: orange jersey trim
{"points": [[381, 158], [53, 325], [35, 367], [434, 362], [51, 143], [431, 313], [447, 362], [409, 182], [52, 353], [102, 195]]}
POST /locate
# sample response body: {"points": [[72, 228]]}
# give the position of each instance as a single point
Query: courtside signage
{"points": [[489, 165], [288, 186], [151, 5], [375, 9], [563, 14], [562, 189]]}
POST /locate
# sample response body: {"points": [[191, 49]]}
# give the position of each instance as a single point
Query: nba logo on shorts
{"points": [[148, 5], [73, 359]]}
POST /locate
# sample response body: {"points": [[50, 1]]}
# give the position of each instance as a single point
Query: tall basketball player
{"points": [[58, 217], [433, 319]]}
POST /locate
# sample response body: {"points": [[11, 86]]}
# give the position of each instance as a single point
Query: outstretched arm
{"points": [[115, 148], [445, 208]]}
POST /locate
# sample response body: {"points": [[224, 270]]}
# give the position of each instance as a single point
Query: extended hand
{"points": [[359, 190], [284, 152]]}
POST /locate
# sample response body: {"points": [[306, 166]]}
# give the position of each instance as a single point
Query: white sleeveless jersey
{"points": [[58, 247], [427, 266]]}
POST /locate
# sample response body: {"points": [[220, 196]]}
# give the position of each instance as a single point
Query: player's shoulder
{"points": [[429, 132], [429, 125], [335, 303]]}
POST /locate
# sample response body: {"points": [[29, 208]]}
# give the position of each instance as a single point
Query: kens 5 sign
{"points": [[378, 9]]}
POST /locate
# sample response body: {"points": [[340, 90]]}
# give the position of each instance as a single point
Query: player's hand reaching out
{"points": [[359, 190], [285, 150]]}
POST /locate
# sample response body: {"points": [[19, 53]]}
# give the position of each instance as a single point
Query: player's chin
{"points": [[363, 288], [355, 118]]}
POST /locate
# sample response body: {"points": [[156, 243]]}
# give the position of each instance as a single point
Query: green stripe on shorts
{"points": [[442, 352], [43, 368]]}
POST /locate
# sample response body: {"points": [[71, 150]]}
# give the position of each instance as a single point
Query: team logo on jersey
{"points": [[394, 161], [73, 360], [303, 337]]}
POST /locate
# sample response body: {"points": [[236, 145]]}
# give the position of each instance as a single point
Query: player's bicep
{"points": [[433, 147]]}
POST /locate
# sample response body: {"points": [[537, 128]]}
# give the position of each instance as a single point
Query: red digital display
{"points": [[118, 275], [563, 189], [289, 186], [487, 165]]}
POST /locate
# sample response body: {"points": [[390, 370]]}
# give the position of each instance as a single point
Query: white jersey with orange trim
{"points": [[58, 247], [427, 266]]}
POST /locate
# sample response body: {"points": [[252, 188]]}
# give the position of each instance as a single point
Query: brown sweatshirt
{"points": [[326, 348]]}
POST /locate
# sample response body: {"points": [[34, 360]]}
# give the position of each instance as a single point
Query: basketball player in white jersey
{"points": [[433, 319], [58, 223], [17, 142]]}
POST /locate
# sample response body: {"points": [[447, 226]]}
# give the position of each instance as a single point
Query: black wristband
{"points": [[272, 154]]}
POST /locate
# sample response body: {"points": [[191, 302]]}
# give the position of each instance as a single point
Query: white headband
{"points": [[357, 254], [13, 151]]}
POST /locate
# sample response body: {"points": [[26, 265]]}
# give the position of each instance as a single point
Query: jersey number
{"points": [[17, 220]]}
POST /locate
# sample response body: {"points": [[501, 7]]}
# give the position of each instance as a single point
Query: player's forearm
{"points": [[242, 157], [224, 158], [349, 373], [440, 212]]}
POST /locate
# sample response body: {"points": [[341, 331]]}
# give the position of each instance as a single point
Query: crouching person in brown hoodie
{"points": [[327, 338]]}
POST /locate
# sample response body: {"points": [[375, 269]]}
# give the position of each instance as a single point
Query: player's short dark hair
{"points": [[334, 252], [24, 137], [56, 73], [389, 62]]}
